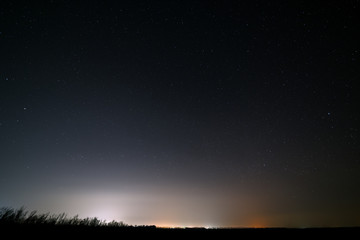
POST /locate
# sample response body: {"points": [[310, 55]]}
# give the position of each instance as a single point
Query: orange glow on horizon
{"points": [[258, 222]]}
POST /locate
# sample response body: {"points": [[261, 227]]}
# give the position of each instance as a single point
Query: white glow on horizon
{"points": [[166, 208]]}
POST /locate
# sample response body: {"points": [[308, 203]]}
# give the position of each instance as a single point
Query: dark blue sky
{"points": [[235, 113]]}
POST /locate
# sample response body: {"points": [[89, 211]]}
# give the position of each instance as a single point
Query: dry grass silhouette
{"points": [[22, 216]]}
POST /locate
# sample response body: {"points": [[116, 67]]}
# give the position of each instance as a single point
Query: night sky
{"points": [[182, 113]]}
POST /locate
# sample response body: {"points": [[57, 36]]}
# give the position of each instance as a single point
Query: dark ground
{"points": [[84, 232]]}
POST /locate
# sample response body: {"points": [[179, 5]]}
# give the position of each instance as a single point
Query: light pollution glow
{"points": [[164, 208]]}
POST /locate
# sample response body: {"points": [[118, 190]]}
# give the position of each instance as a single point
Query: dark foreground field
{"points": [[19, 223], [43, 231]]}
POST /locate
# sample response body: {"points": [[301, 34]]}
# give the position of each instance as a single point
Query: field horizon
{"points": [[22, 222]]}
